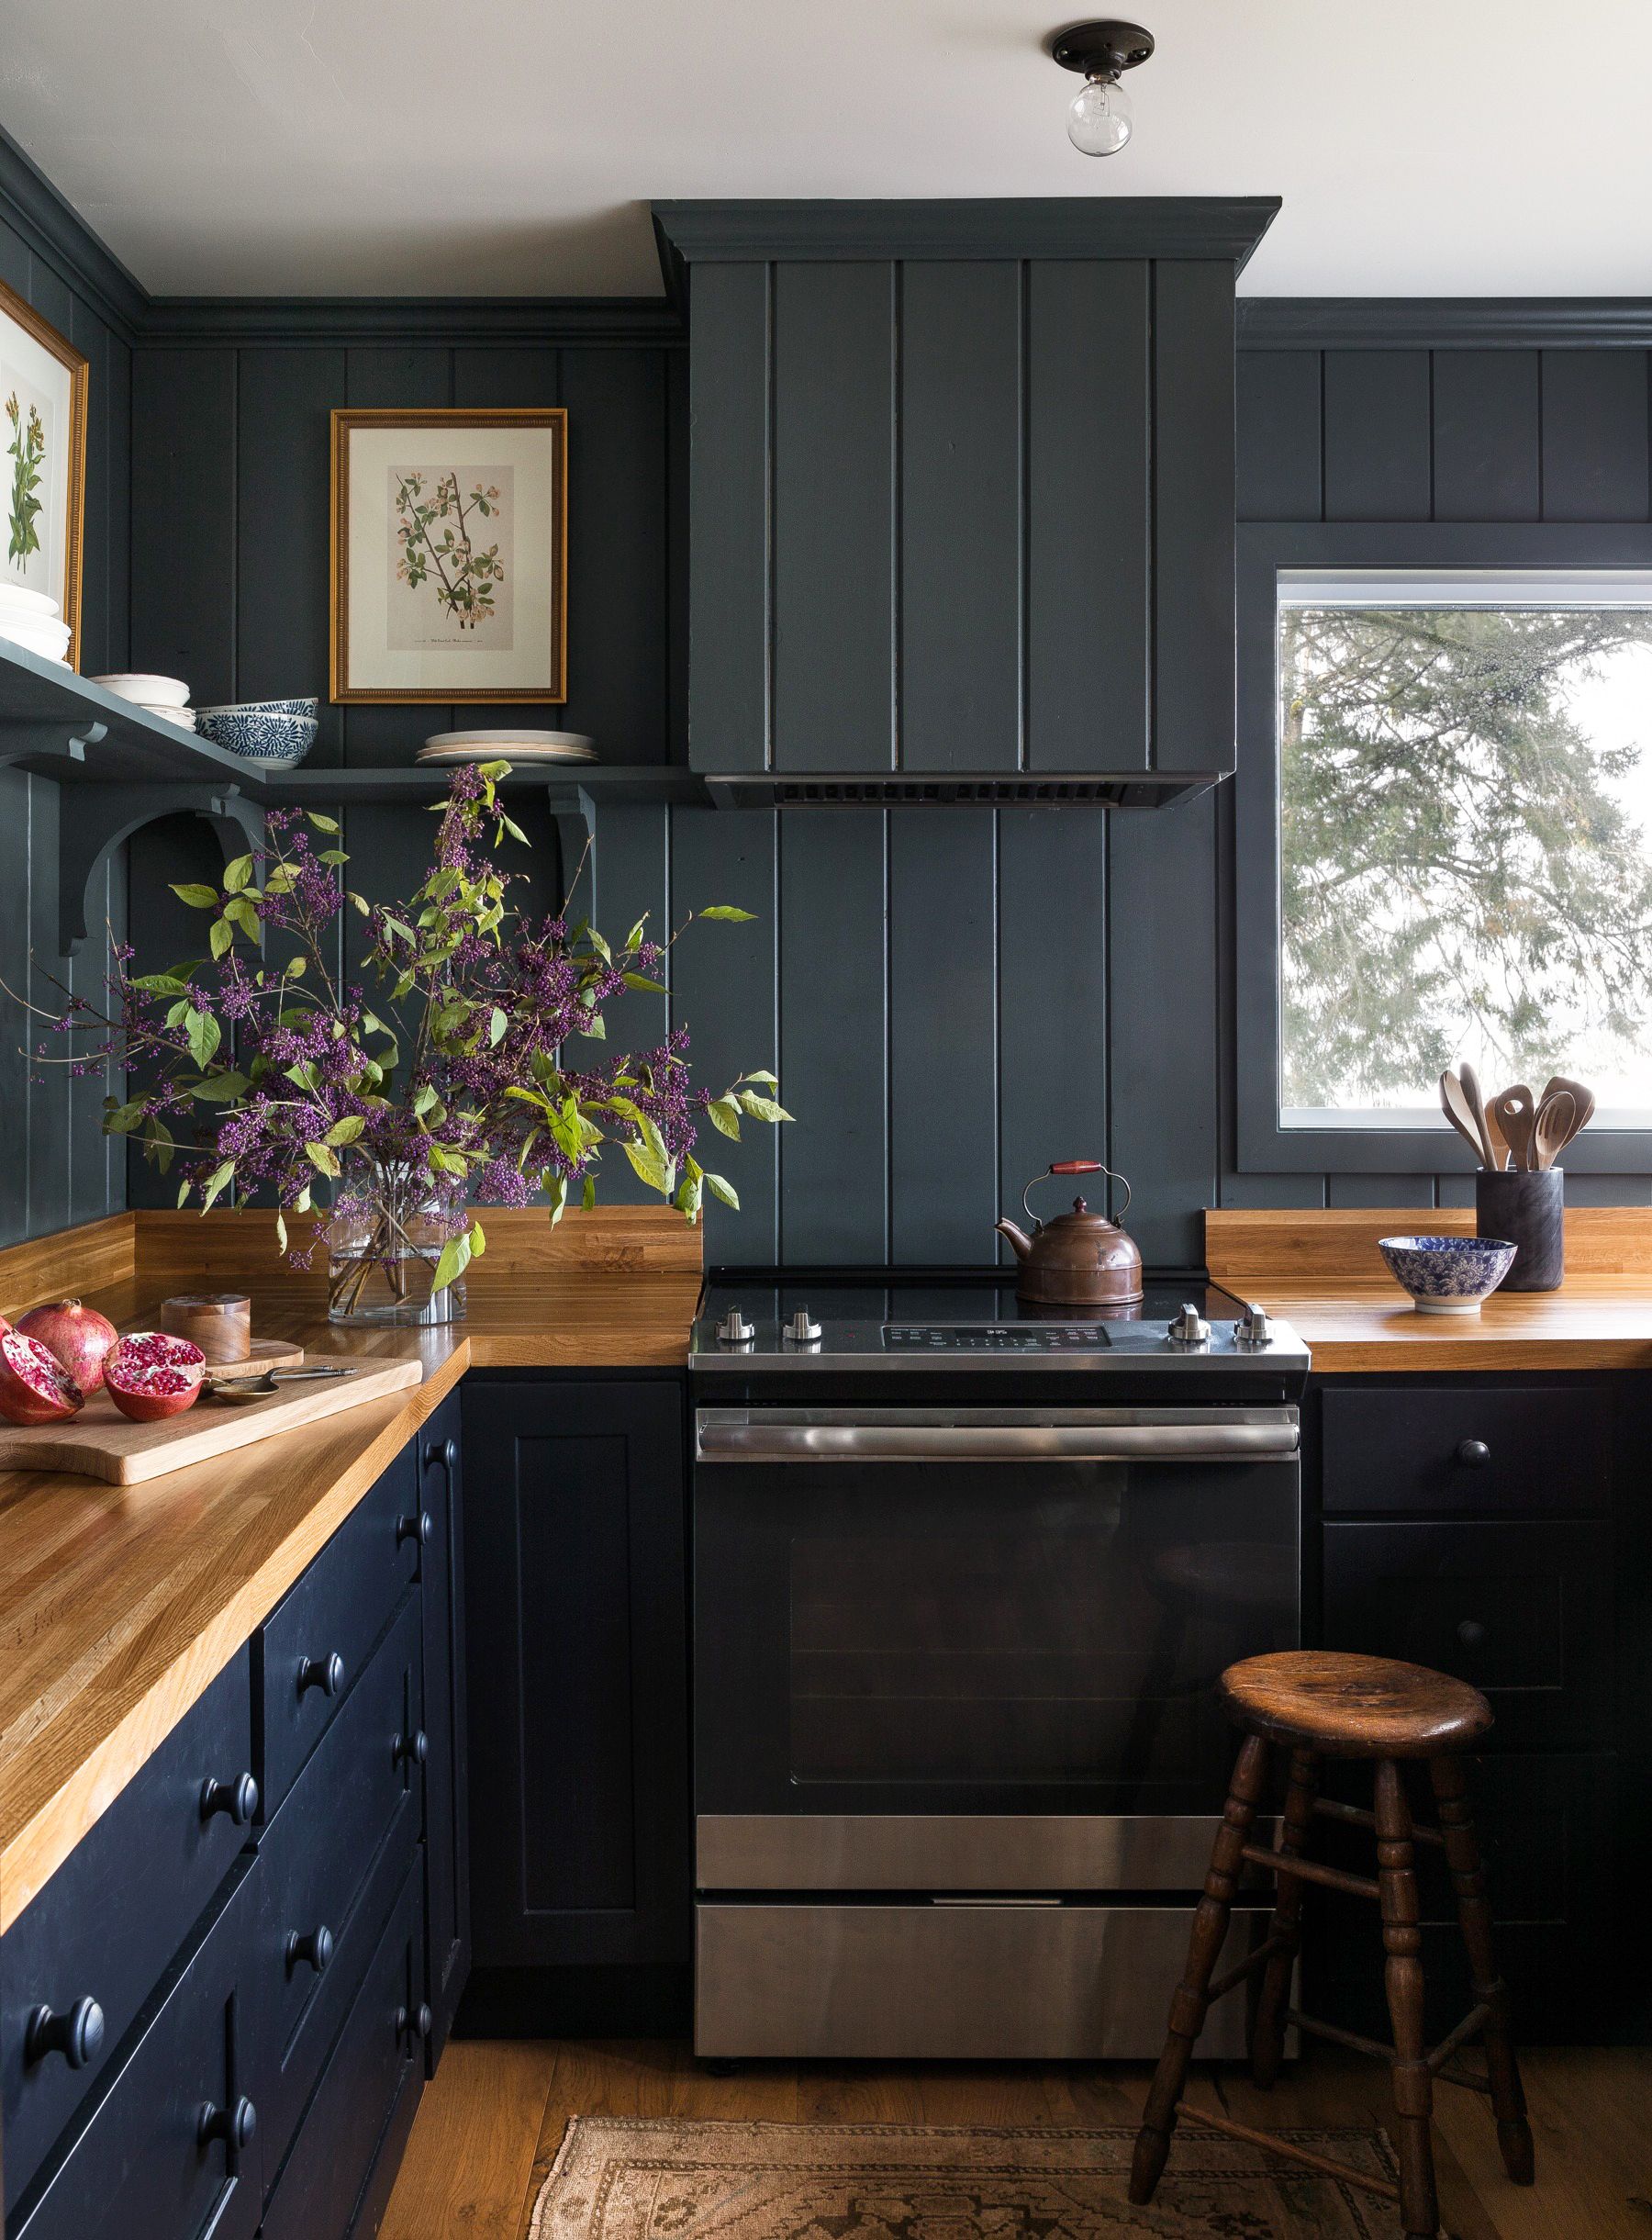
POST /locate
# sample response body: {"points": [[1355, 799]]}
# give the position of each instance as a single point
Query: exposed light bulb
{"points": [[1098, 121]]}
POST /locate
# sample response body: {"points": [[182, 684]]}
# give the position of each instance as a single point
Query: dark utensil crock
{"points": [[1529, 1209]]}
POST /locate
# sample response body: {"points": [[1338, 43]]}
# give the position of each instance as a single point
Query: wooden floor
{"points": [[492, 2121]]}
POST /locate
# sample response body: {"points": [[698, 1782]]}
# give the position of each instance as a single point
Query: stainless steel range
{"points": [[964, 1573]]}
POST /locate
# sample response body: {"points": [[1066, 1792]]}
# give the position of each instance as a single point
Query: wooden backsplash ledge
{"points": [[1339, 1245]]}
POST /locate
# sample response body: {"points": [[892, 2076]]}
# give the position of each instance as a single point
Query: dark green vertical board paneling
{"points": [[1378, 458], [1088, 549], [834, 516], [1487, 450], [283, 401], [48, 1120], [120, 505], [183, 437], [1265, 1193], [1594, 435], [961, 478], [393, 732], [164, 931], [1276, 417], [14, 258], [616, 594], [1379, 1190], [86, 974], [724, 989], [1162, 1086], [943, 1172], [514, 379], [677, 556], [833, 1052], [1052, 1021], [1193, 517], [632, 876], [14, 870], [730, 592]]}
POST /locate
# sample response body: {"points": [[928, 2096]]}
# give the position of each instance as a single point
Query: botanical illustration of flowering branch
{"points": [[27, 451], [435, 538]]}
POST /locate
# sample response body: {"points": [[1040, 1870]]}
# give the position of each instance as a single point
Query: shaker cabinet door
{"points": [[447, 1774]]}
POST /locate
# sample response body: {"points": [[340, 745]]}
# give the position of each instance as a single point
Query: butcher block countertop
{"points": [[119, 1605], [1322, 1273]]}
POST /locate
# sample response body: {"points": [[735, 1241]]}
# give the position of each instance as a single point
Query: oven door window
{"points": [[978, 1637]]}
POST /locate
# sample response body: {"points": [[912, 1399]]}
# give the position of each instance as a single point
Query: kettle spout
{"points": [[1021, 1243]]}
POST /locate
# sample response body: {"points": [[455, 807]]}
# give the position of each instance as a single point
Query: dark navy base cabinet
{"points": [[576, 1619], [447, 1782]]}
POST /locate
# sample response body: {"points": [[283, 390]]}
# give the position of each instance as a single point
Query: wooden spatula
{"points": [[1583, 1100], [1516, 1114], [1454, 1104], [1557, 1117]]}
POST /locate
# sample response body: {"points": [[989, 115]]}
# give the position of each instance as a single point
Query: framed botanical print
{"points": [[449, 555], [44, 473]]}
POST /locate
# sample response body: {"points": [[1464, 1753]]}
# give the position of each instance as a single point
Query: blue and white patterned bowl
{"points": [[1447, 1275], [310, 707], [261, 737]]}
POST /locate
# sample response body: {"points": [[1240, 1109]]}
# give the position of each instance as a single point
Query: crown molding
{"points": [[217, 322], [1443, 323], [50, 228]]}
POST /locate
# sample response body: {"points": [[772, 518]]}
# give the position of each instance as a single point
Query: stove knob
{"points": [[1253, 1328], [802, 1329], [735, 1330], [1190, 1327]]}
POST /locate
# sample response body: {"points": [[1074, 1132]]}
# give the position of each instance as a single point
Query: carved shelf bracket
{"points": [[41, 745], [97, 820], [574, 813]]}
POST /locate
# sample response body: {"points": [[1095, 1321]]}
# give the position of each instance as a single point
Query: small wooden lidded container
{"points": [[219, 1322]]}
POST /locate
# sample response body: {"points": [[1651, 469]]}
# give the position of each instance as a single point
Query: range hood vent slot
{"points": [[904, 790]]}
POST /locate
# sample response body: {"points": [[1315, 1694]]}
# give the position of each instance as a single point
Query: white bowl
{"points": [[40, 637], [513, 735], [184, 718], [148, 691], [26, 601]]}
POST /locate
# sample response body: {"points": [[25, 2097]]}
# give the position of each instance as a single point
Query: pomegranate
{"points": [[35, 1387], [149, 1374], [77, 1336]]}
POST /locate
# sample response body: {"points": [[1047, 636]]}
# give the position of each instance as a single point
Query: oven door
{"points": [[1008, 1614]]}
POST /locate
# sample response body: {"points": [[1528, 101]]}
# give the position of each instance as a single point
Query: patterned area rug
{"points": [[651, 2180]]}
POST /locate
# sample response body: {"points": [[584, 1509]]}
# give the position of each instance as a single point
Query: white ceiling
{"points": [[509, 147]]}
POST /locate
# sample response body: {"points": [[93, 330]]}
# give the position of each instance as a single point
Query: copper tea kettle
{"points": [[1079, 1259]]}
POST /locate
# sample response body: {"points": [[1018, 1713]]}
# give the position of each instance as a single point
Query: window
{"points": [[1463, 806]]}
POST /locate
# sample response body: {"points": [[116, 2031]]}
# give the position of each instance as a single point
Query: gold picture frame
{"points": [[26, 340], [421, 609]]}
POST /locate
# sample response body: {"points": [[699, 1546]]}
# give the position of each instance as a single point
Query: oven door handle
{"points": [[1267, 1436]]}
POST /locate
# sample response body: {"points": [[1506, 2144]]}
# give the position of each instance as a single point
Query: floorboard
{"points": [[494, 2118]]}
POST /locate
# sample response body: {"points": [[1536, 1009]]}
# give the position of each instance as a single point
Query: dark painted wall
{"points": [[56, 1166]]}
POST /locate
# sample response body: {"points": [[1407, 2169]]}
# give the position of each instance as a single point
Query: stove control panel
{"points": [[994, 1337]]}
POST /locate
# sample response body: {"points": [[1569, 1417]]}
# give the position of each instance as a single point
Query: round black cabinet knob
{"points": [[417, 2021], [77, 2034], [447, 1454], [239, 1799], [324, 1673], [411, 1748], [234, 2125], [314, 1949], [1473, 1453], [419, 1529], [1471, 1633]]}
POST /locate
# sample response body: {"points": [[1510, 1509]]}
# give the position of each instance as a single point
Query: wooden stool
{"points": [[1316, 1704]]}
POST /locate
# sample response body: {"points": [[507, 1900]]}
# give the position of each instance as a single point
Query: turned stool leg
{"points": [[1210, 1930], [1402, 1980], [1268, 2031], [1474, 1913]]}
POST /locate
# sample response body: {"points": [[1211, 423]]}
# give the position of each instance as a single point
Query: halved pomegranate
{"points": [[149, 1375], [35, 1387], [77, 1336]]}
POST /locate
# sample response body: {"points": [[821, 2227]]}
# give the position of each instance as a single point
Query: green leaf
{"points": [[727, 910], [237, 874], [217, 1181], [321, 823], [587, 1196], [345, 1130], [497, 1025], [221, 1088], [559, 1199], [763, 1080], [281, 1235], [196, 896], [478, 1242], [221, 938], [321, 1158], [725, 1190], [184, 1189], [455, 1259], [724, 1114], [295, 968], [594, 1027], [762, 1108], [203, 1035], [647, 1167], [644, 987], [240, 912], [160, 984]]}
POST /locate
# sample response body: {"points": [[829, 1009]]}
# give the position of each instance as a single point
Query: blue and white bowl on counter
{"points": [[1447, 1275], [276, 734]]}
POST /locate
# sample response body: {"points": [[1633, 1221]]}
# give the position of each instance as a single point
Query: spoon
{"points": [[1583, 1099], [239, 1391], [1477, 1107], [1556, 1124], [1454, 1104], [1517, 1118]]}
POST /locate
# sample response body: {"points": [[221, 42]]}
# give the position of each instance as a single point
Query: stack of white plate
{"points": [[29, 619], [166, 697], [445, 748]]}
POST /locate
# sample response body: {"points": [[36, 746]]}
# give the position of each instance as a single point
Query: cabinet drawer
{"points": [[1521, 1611], [119, 1909], [144, 2167], [316, 1645], [333, 1860], [1535, 1449], [374, 2073]]}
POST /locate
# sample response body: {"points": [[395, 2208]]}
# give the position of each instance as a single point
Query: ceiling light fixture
{"points": [[1099, 120]]}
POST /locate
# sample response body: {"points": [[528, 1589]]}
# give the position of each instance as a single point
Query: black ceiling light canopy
{"points": [[1099, 120]]}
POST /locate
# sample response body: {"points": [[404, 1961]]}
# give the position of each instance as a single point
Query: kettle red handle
{"points": [[1077, 1166]]}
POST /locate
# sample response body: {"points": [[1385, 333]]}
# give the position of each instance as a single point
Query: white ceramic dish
{"points": [[183, 717], [502, 736], [444, 757], [42, 637], [26, 601], [148, 691]]}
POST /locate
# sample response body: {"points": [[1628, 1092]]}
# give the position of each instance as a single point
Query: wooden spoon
{"points": [[1557, 1119], [1454, 1104], [1517, 1116], [1477, 1105], [1582, 1099]]}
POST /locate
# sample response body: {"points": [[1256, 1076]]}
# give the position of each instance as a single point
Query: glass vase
{"points": [[384, 1237]]}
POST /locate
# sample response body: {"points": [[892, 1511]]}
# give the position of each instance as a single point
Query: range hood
{"points": [[961, 496]]}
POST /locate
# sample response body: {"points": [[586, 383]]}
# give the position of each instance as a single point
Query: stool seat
{"points": [[1354, 1707]]}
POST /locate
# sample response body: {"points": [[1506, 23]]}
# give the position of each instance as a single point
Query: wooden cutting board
{"points": [[101, 1444]]}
